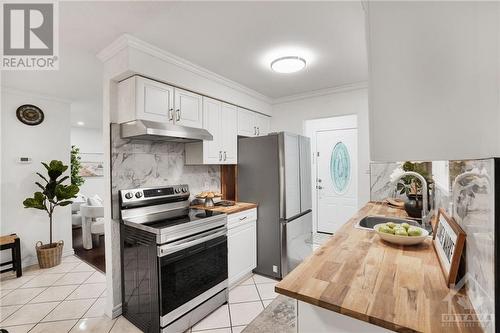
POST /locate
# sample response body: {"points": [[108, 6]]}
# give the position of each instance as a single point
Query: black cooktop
{"points": [[190, 216]]}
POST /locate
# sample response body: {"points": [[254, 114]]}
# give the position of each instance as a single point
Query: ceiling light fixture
{"points": [[80, 123], [289, 64]]}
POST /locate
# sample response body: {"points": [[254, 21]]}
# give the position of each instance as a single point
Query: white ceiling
{"points": [[234, 39]]}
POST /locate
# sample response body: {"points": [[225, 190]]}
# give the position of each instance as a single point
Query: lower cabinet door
{"points": [[242, 250]]}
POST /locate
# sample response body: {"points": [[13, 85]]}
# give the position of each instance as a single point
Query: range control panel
{"points": [[143, 194]]}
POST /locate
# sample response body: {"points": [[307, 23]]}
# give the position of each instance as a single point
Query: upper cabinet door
{"points": [[212, 118], [188, 108], [154, 100], [263, 124], [229, 133], [246, 123]]}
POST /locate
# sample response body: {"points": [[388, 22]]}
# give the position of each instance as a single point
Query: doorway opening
{"points": [[87, 210], [334, 143]]}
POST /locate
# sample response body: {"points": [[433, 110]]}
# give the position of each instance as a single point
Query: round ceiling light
{"points": [[287, 65]]}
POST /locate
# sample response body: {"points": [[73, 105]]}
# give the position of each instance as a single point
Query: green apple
{"points": [[405, 225], [385, 229], [413, 231], [400, 232], [390, 224]]}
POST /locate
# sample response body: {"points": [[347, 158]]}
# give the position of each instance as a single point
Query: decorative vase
{"points": [[49, 255], [413, 206]]}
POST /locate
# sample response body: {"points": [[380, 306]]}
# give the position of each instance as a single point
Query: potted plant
{"points": [[54, 193], [76, 165], [412, 187]]}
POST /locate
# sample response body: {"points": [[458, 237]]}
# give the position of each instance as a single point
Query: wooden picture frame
{"points": [[448, 241]]}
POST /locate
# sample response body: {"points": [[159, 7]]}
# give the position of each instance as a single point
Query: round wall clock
{"points": [[30, 114]]}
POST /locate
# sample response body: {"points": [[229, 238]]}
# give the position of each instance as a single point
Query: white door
{"points": [[212, 115], [154, 100], [188, 108], [246, 123], [229, 129], [263, 124], [337, 183]]}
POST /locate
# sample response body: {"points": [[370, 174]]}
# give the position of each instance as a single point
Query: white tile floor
{"points": [[71, 298]]}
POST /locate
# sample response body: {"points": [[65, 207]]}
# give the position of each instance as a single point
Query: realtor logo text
{"points": [[30, 36]]}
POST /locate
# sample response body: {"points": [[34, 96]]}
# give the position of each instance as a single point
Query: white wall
{"points": [[90, 142], [47, 141], [290, 116], [434, 79]]}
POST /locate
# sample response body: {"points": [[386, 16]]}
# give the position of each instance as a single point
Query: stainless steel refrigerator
{"points": [[275, 172]]}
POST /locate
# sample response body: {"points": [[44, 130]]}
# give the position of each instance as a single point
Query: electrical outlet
{"points": [[275, 269]]}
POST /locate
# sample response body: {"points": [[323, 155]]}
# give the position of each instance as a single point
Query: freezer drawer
{"points": [[296, 241]]}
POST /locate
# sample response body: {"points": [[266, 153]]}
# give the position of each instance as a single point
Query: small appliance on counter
{"points": [[174, 259]]}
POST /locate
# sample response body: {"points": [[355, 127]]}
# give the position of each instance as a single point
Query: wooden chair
{"points": [[12, 242]]}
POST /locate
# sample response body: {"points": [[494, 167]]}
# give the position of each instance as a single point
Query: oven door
{"points": [[191, 270]]}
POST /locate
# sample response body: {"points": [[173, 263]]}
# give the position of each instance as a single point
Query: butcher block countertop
{"points": [[238, 207], [357, 274]]}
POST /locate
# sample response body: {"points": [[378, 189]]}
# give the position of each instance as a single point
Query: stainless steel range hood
{"points": [[157, 131]]}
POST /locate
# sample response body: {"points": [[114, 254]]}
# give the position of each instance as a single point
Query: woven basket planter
{"points": [[49, 255]]}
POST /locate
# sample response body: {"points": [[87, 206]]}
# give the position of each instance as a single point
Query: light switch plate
{"points": [[275, 269]]}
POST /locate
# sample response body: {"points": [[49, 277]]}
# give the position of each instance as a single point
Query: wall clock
{"points": [[30, 114]]}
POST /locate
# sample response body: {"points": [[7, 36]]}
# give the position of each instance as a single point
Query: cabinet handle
{"points": [[243, 218], [258, 130], [255, 130], [225, 156], [170, 114], [220, 155], [178, 111]]}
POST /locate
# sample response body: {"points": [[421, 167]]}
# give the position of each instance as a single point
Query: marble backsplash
{"points": [[470, 199], [139, 163], [380, 180]]}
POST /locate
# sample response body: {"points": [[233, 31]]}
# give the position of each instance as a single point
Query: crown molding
{"points": [[26, 93], [321, 92], [127, 40]]}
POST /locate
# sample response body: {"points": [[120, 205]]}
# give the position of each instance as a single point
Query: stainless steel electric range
{"points": [[174, 259]]}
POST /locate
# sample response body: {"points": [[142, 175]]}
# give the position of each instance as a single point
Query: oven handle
{"points": [[191, 241]]}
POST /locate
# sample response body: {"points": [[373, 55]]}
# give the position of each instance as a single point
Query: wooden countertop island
{"points": [[238, 207], [356, 274]]}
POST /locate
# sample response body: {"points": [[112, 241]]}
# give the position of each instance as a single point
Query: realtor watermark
{"points": [[476, 309], [30, 36]]}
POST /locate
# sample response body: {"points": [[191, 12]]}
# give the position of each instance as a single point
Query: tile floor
{"points": [[71, 298]]}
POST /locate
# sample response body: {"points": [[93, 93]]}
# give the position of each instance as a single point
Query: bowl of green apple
{"points": [[402, 234]]}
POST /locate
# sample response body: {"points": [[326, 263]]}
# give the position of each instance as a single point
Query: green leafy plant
{"points": [[410, 184], [54, 193], [76, 179]]}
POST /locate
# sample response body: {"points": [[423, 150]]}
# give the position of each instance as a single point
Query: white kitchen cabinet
{"points": [[263, 124], [146, 99], [246, 123], [141, 98], [241, 245], [229, 131], [252, 124], [188, 108], [220, 119]]}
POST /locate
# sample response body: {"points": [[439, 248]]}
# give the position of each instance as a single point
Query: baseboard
{"points": [[117, 311]]}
